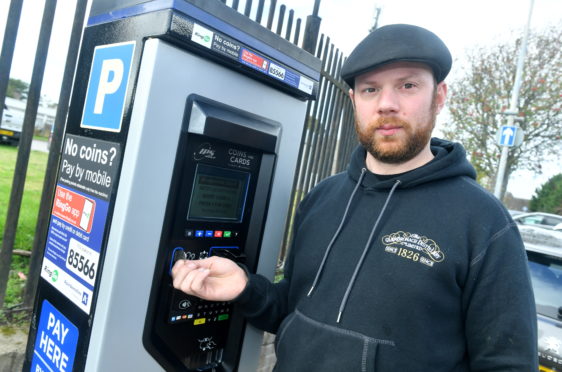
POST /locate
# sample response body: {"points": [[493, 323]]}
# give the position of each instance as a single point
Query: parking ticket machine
{"points": [[216, 207], [181, 141]]}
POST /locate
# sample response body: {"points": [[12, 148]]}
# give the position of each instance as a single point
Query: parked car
{"points": [[539, 219], [545, 267], [10, 126], [514, 212], [540, 228]]}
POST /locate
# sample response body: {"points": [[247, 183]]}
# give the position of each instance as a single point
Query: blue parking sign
{"points": [[107, 86], [55, 343]]}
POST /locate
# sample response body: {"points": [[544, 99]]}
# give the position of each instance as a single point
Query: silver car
{"points": [[545, 266], [540, 228]]}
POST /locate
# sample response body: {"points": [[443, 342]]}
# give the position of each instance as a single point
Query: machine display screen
{"points": [[218, 194]]}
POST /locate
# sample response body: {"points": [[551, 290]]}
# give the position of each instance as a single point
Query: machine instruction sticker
{"points": [[89, 165], [86, 180], [226, 46], [235, 50], [107, 87], [202, 36], [74, 240], [253, 60], [55, 343], [74, 208]]}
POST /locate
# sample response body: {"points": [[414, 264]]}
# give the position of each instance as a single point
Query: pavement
{"points": [[38, 145], [12, 349]]}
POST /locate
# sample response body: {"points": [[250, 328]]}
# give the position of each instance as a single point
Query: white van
{"points": [[10, 126]]}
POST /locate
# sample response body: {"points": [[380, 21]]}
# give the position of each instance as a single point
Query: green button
{"points": [[223, 317], [227, 234]]}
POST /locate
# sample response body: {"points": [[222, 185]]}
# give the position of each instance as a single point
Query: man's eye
{"points": [[409, 85], [369, 90]]}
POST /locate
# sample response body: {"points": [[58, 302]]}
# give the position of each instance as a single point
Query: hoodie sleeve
{"points": [[501, 322], [265, 304]]}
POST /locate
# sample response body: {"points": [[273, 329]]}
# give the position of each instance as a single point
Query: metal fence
{"points": [[327, 139], [329, 136]]}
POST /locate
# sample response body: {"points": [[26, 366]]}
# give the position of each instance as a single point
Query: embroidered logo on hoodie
{"points": [[413, 247]]}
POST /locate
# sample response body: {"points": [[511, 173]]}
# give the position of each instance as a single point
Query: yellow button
{"points": [[199, 321]]}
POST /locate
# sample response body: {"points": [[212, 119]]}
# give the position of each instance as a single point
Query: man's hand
{"points": [[213, 279]]}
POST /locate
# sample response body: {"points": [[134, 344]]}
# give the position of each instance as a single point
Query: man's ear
{"points": [[441, 96], [352, 97]]}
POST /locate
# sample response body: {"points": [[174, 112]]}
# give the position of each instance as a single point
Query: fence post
{"points": [[22, 161], [8, 46], [312, 29]]}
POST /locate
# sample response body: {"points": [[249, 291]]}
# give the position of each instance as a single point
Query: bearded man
{"points": [[403, 262]]}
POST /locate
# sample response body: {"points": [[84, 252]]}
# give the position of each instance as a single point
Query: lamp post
{"points": [[513, 104]]}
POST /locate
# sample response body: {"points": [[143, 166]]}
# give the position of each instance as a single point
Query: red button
{"points": [[218, 233]]}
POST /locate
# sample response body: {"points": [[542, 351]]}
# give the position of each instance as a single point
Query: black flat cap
{"points": [[394, 43]]}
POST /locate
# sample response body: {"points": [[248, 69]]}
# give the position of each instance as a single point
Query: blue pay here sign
{"points": [[107, 87], [55, 343]]}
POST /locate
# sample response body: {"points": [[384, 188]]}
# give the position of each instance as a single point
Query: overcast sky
{"points": [[462, 24]]}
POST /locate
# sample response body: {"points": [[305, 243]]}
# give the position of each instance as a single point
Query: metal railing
{"points": [[329, 136]]}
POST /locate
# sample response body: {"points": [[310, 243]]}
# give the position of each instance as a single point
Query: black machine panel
{"points": [[217, 205]]}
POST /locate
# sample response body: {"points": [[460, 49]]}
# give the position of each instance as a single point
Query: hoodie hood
{"points": [[449, 161]]}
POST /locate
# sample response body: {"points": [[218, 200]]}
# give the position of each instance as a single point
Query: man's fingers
{"points": [[180, 270], [198, 282], [193, 283], [183, 264]]}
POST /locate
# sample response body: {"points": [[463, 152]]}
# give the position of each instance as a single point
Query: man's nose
{"points": [[387, 101]]}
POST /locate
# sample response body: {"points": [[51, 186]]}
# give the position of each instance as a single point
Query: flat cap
{"points": [[398, 42]]}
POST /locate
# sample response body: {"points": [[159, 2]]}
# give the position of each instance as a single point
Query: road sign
{"points": [[107, 87], [507, 135]]}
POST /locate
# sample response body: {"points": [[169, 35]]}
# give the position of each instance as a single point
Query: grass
{"points": [[28, 213], [40, 138]]}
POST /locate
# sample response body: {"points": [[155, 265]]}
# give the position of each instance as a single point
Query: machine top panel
{"points": [[221, 18]]}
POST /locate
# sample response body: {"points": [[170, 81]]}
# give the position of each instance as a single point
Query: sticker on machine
{"points": [[202, 36], [89, 165], [306, 85], [226, 46], [55, 342], [254, 60], [108, 83], [74, 240], [74, 208]]}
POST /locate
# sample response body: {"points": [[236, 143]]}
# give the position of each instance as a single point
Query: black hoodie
{"points": [[421, 271]]}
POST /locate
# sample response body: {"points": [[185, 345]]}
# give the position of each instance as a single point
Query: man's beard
{"points": [[394, 149]]}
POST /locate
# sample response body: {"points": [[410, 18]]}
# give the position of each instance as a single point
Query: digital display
{"points": [[218, 194]]}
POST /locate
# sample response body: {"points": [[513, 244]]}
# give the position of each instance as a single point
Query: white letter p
{"points": [[105, 86]]}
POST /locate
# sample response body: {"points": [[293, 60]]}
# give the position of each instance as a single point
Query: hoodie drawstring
{"points": [[329, 248], [365, 250]]}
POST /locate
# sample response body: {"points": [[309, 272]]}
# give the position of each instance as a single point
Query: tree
{"points": [[17, 88], [483, 92], [548, 197]]}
